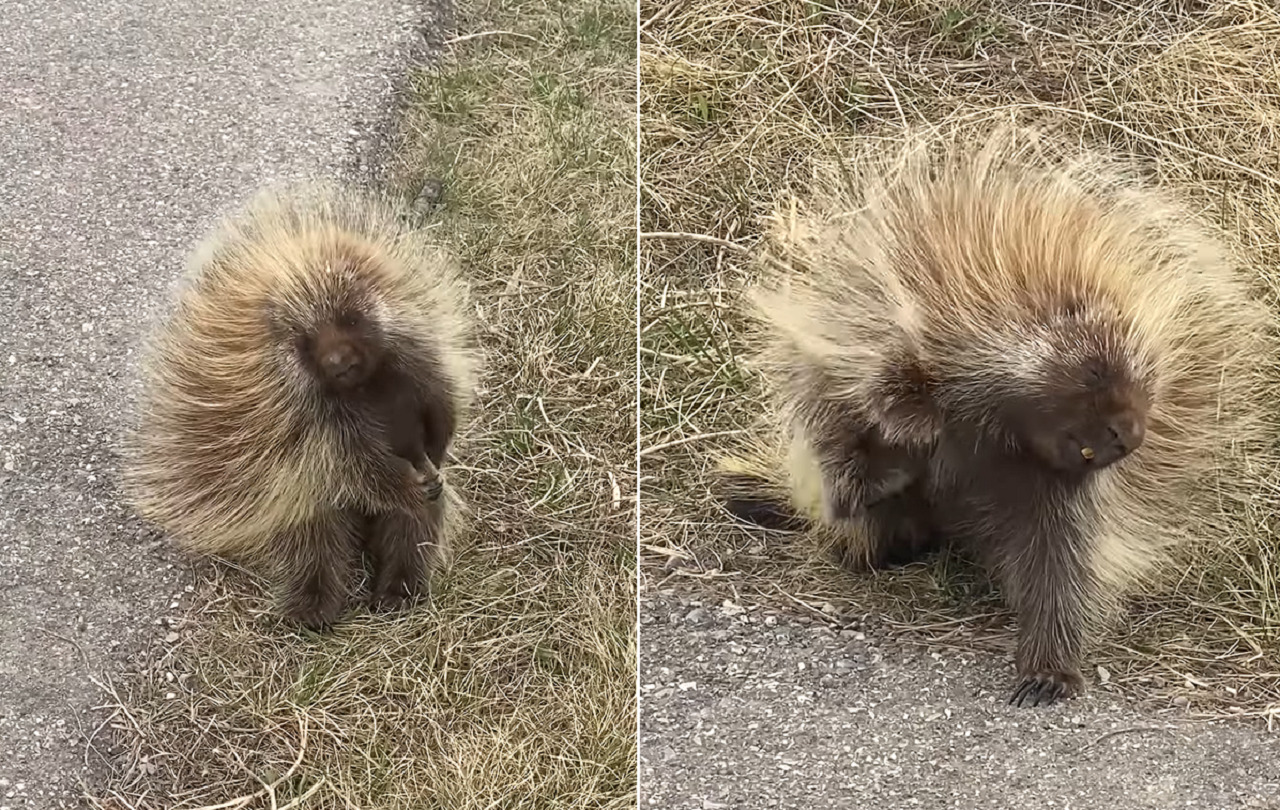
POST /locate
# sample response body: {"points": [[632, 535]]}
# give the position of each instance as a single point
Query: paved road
{"points": [[754, 710], [125, 127]]}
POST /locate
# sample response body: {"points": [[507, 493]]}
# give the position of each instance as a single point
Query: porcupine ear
{"points": [[900, 400]]}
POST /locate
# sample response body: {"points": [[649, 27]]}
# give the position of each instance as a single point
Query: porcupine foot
{"points": [[901, 529], [897, 531], [316, 565], [400, 567], [315, 606], [1046, 688]]}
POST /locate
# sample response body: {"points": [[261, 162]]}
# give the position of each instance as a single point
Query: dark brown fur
{"points": [[349, 361], [999, 479], [1002, 478], [413, 419], [867, 476]]}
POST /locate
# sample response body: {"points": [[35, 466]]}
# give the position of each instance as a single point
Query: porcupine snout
{"points": [[340, 360], [1127, 432], [1108, 442]]}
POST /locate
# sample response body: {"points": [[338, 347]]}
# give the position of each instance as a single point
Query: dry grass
{"points": [[740, 99], [515, 686]]}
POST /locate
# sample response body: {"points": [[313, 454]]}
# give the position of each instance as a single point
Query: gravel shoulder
{"points": [[126, 128], [744, 707]]}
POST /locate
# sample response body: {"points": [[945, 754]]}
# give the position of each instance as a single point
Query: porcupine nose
{"points": [[341, 360], [1128, 432]]}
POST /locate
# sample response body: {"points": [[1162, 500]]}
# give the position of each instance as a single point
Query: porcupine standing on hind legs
{"points": [[302, 396], [417, 424], [1040, 360]]}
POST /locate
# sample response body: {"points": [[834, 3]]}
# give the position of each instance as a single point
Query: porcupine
{"points": [[1031, 355], [301, 396]]}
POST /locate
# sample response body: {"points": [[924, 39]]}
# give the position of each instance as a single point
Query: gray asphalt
{"points": [[126, 126], [744, 707]]}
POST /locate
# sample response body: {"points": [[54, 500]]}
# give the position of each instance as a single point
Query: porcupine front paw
{"points": [[426, 478], [431, 485], [1045, 688]]}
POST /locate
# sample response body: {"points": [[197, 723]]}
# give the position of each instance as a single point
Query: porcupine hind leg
{"points": [[315, 567], [901, 527], [404, 546], [877, 490]]}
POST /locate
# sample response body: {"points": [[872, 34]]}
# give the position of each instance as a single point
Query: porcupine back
{"points": [[982, 269], [236, 441]]}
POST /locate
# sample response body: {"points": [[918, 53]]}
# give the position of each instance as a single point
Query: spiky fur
{"points": [[925, 289], [238, 451]]}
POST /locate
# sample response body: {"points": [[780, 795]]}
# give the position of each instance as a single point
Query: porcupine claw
{"points": [[1045, 688], [428, 480], [433, 490]]}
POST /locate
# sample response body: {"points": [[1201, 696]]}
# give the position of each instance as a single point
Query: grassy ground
{"points": [[515, 686], [740, 98]]}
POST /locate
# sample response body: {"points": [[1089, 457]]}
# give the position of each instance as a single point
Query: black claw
{"points": [[1026, 688], [1056, 695], [1044, 694], [1040, 690], [317, 620], [386, 603], [433, 490]]}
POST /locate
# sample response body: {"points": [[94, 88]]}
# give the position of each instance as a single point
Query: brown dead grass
{"points": [[515, 686], [740, 99]]}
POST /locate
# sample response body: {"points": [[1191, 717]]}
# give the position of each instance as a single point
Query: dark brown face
{"points": [[1090, 418], [343, 351]]}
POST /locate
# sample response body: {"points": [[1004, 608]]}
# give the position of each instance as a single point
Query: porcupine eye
{"points": [[1095, 376]]}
